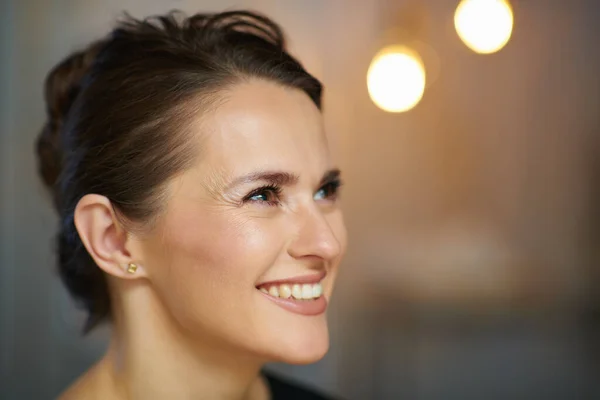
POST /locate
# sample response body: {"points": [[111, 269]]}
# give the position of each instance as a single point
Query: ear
{"points": [[105, 239]]}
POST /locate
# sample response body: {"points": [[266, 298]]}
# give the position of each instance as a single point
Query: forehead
{"points": [[264, 125]]}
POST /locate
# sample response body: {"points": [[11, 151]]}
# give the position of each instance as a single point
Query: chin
{"points": [[306, 358], [301, 347]]}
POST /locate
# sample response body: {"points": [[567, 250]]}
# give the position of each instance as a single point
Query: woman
{"points": [[198, 206]]}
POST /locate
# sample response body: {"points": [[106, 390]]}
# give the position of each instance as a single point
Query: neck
{"points": [[152, 357]]}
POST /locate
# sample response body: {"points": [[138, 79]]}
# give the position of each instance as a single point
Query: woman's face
{"points": [[257, 213]]}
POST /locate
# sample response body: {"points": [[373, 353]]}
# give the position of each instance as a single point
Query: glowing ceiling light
{"points": [[396, 79], [485, 26]]}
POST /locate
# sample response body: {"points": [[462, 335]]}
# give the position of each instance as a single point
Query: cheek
{"points": [[342, 234], [338, 228], [210, 261]]}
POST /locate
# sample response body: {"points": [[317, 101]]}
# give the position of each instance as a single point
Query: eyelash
{"points": [[331, 188], [274, 189]]}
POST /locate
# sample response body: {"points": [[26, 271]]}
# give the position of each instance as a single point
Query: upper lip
{"points": [[313, 278]]}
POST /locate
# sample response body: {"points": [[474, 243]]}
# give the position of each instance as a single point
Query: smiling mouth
{"points": [[301, 295], [296, 291]]}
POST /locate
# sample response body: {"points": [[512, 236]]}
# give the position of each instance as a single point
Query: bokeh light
{"points": [[485, 26], [396, 79]]}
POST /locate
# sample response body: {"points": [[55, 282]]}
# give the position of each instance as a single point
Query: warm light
{"points": [[396, 79], [484, 26]]}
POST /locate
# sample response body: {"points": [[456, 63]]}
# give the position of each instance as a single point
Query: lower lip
{"points": [[302, 307]]}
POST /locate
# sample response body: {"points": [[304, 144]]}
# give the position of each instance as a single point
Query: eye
{"points": [[267, 194], [329, 191]]}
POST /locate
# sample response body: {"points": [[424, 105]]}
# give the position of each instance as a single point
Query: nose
{"points": [[315, 237]]}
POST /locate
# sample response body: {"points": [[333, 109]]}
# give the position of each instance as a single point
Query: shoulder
{"points": [[285, 388]]}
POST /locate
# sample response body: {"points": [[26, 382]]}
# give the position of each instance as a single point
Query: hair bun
{"points": [[62, 86]]}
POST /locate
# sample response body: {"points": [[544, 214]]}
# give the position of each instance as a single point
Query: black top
{"points": [[283, 389]]}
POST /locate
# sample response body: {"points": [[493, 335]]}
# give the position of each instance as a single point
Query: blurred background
{"points": [[473, 268]]}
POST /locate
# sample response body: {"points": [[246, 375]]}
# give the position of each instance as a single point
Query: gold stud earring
{"points": [[131, 268]]}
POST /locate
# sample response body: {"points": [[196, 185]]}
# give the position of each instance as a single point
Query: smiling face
{"points": [[258, 210]]}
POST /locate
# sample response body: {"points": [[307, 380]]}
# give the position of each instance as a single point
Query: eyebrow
{"points": [[280, 178]]}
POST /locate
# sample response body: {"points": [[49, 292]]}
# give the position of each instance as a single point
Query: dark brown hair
{"points": [[118, 113]]}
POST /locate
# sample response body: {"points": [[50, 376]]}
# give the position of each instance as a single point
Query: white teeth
{"points": [[297, 291], [317, 290], [285, 291], [274, 291], [307, 291]]}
